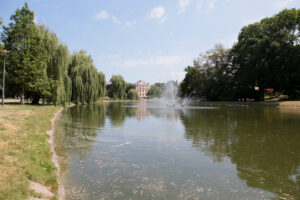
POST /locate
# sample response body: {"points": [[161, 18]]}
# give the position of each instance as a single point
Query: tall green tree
{"points": [[101, 84], [129, 86], [58, 59], [211, 76], [132, 95], [154, 91], [117, 87], [267, 55], [85, 78], [26, 64]]}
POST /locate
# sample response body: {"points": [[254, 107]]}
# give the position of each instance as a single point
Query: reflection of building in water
{"points": [[142, 88], [142, 111]]}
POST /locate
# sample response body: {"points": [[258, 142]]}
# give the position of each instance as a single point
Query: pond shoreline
{"points": [[258, 103], [221, 103], [61, 189]]}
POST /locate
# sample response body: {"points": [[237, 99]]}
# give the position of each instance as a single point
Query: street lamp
{"points": [[4, 53]]}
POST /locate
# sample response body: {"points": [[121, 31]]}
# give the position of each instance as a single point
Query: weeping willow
{"points": [[70, 77], [117, 87], [88, 85], [58, 58], [101, 84]]}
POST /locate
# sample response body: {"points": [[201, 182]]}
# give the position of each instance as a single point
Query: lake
{"points": [[146, 150]]}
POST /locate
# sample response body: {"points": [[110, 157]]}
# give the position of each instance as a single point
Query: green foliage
{"points": [[117, 87], [57, 68], [129, 86], [210, 77], [267, 55], [155, 90], [26, 63], [40, 66], [132, 95], [101, 84], [86, 81]]}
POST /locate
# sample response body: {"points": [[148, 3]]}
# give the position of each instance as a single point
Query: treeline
{"points": [[117, 88], [156, 90], [40, 67], [266, 55]]}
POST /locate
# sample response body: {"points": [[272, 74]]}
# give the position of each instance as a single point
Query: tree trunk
{"points": [[22, 97], [35, 100]]}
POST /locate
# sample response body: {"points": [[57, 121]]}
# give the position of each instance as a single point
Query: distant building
{"points": [[142, 88]]}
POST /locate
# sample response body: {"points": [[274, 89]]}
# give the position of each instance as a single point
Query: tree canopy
{"points": [[210, 76], [117, 87], [27, 60], [86, 82], [266, 55], [155, 90], [39, 65]]}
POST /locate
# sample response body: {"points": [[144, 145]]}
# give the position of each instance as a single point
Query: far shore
{"points": [[256, 103], [290, 103], [221, 103]]}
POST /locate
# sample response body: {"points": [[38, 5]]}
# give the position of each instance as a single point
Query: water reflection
{"points": [[117, 113], [262, 142], [145, 152]]}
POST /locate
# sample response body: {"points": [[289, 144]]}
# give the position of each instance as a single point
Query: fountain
{"points": [[170, 92]]}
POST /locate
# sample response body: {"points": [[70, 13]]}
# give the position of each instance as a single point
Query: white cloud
{"points": [[115, 20], [130, 23], [199, 4], [182, 6], [158, 13], [206, 6], [211, 5], [282, 4], [102, 15]]}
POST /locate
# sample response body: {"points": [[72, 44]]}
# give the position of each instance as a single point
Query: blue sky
{"points": [[152, 40]]}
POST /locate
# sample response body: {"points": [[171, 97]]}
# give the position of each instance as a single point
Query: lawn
{"points": [[24, 150]]}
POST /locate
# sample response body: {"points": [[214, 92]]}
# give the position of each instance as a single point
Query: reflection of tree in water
{"points": [[76, 130], [117, 113], [263, 143], [85, 120]]}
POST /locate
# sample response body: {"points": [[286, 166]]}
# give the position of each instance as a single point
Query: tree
{"points": [[85, 79], [155, 91], [267, 55], [101, 84], [132, 95], [58, 59], [129, 86], [26, 64], [116, 89], [210, 77]]}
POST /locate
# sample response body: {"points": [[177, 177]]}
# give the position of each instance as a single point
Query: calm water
{"points": [[149, 151]]}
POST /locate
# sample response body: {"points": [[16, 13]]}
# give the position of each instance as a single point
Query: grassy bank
{"points": [[24, 150]]}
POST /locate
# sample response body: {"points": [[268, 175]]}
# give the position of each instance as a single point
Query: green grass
{"points": [[24, 150]]}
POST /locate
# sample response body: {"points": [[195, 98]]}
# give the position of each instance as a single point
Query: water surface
{"points": [[149, 151]]}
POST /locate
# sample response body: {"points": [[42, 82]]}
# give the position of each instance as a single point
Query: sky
{"points": [[151, 40]]}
